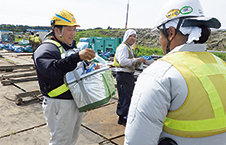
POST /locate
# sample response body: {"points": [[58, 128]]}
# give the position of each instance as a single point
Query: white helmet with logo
{"points": [[189, 13], [174, 9]]}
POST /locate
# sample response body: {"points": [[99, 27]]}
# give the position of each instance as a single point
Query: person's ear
{"points": [[171, 33], [57, 31]]}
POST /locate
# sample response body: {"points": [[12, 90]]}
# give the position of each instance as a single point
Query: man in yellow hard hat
{"points": [[62, 115], [180, 99]]}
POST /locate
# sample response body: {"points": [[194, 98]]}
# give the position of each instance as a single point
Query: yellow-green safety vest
{"points": [[116, 63], [203, 112], [31, 37], [36, 40], [63, 88]]}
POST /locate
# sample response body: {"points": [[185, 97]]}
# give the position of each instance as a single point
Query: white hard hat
{"points": [[190, 10], [174, 9], [185, 13]]}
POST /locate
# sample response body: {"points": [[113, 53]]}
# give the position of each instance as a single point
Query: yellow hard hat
{"points": [[63, 18]]}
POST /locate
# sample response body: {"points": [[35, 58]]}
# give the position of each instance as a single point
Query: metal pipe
{"points": [[127, 14]]}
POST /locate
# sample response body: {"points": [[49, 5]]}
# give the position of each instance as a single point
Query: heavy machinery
{"points": [[100, 44]]}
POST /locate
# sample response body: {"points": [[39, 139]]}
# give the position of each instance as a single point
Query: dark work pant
{"points": [[167, 141], [125, 86]]}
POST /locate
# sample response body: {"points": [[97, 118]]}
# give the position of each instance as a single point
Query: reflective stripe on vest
{"points": [[58, 91], [116, 63], [63, 88], [56, 43], [206, 67]]}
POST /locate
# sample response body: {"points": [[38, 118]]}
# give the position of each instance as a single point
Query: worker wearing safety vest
{"points": [[180, 99], [31, 38], [37, 41], [62, 115], [125, 64]]}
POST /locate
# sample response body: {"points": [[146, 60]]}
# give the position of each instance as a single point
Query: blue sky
{"points": [[96, 13]]}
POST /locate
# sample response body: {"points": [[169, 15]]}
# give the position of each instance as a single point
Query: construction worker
{"points": [[31, 38], [180, 99], [37, 41], [125, 64], [62, 115]]}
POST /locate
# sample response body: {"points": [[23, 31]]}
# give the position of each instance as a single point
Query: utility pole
{"points": [[127, 14]]}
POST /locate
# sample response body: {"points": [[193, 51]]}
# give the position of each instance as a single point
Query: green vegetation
{"points": [[87, 34], [19, 38], [92, 33], [12, 133], [8, 60], [21, 28], [148, 51], [142, 50], [221, 55]]}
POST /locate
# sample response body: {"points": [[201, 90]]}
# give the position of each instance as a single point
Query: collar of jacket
{"points": [[189, 48], [66, 47]]}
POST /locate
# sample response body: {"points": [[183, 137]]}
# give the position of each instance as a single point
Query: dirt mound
{"points": [[216, 41]]}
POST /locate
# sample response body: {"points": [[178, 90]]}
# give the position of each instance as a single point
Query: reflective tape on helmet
{"points": [[63, 18]]}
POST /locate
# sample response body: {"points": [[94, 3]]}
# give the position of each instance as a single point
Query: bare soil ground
{"points": [[25, 124]]}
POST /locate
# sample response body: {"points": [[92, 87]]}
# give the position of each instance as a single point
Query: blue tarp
{"points": [[82, 45], [2, 46], [27, 49], [106, 54], [17, 48], [5, 46], [24, 42], [8, 46], [146, 57], [84, 40]]}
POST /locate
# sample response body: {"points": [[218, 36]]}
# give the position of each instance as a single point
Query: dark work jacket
{"points": [[51, 68]]}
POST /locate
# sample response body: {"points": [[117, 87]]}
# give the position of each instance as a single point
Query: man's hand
{"points": [[97, 66], [87, 54], [140, 60]]}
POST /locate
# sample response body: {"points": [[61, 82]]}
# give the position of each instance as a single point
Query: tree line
{"points": [[21, 28]]}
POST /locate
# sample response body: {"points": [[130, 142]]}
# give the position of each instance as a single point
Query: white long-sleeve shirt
{"points": [[160, 88], [122, 56]]}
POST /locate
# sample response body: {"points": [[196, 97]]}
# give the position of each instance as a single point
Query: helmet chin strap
{"points": [[70, 45], [166, 34], [168, 41]]}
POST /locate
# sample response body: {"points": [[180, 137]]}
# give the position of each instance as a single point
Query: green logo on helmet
{"points": [[186, 10]]}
